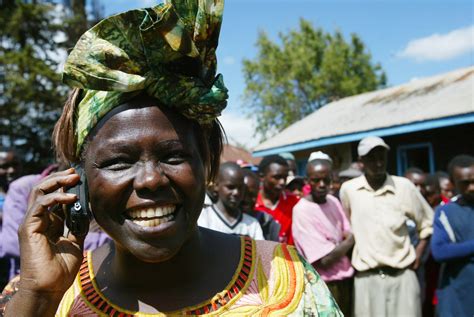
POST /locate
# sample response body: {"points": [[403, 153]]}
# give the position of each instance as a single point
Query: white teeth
{"points": [[152, 217], [160, 212], [140, 222], [153, 222], [150, 213]]}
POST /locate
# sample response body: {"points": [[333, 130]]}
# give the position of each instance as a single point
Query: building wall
{"points": [[340, 153], [443, 143]]}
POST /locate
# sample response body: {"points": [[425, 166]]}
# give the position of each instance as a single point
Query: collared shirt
{"points": [[213, 218], [317, 230], [378, 220], [282, 212]]}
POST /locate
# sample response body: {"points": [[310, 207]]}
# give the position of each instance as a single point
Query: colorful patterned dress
{"points": [[271, 279]]}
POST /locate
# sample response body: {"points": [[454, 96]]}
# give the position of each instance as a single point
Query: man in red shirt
{"points": [[272, 197]]}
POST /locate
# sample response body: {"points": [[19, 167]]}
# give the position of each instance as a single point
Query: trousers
{"points": [[380, 294]]}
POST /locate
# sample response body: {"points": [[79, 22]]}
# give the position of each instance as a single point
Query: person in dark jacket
{"points": [[452, 242]]}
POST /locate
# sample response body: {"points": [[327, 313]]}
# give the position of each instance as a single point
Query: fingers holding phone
{"points": [[49, 261], [47, 196], [78, 215]]}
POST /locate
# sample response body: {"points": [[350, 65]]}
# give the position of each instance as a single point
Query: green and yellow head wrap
{"points": [[168, 51]]}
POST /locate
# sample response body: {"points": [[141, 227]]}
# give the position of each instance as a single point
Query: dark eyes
{"points": [[317, 180], [175, 158], [122, 163], [116, 164]]}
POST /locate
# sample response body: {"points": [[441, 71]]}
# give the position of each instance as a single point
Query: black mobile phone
{"points": [[78, 215]]}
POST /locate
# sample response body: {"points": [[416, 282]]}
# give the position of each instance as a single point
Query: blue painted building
{"points": [[426, 122]]}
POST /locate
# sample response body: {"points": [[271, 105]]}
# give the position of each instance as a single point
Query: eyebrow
{"points": [[127, 140], [122, 145]]}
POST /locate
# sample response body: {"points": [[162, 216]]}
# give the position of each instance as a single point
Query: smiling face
{"points": [[146, 180]]}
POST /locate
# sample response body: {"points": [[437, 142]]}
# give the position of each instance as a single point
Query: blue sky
{"points": [[410, 39]]}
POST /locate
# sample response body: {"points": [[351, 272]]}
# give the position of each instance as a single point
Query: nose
{"points": [[150, 176], [322, 183], [470, 187], [238, 193]]}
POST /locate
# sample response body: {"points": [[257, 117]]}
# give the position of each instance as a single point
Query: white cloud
{"points": [[439, 47], [239, 129], [229, 60]]}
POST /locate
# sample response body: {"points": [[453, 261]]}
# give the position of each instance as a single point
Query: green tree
{"points": [[75, 22], [35, 36], [308, 69], [78, 19], [31, 93]]}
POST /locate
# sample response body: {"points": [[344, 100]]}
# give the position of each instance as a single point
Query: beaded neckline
{"points": [[234, 290]]}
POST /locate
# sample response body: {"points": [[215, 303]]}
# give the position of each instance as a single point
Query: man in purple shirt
{"points": [[10, 169]]}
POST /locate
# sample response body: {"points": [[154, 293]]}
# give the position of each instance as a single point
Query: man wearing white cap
{"points": [[322, 232], [378, 205]]}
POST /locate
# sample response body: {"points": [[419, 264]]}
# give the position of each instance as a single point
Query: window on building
{"points": [[415, 155]]}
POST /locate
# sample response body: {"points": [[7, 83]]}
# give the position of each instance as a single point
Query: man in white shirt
{"points": [[378, 206], [225, 215]]}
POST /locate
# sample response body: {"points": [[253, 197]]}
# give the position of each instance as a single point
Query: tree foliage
{"points": [[31, 93], [35, 37], [308, 69], [75, 22], [78, 19]]}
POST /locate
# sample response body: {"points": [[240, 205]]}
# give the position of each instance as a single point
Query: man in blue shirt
{"points": [[452, 242]]}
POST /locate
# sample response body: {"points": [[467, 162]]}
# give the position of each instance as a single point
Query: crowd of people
{"points": [[367, 233], [383, 244], [174, 232]]}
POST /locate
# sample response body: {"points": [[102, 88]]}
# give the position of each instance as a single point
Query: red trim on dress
{"points": [[100, 303]]}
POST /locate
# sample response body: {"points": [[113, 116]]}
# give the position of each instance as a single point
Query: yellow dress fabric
{"points": [[271, 280]]}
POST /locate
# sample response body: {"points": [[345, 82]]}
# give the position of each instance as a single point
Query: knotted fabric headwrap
{"points": [[168, 52]]}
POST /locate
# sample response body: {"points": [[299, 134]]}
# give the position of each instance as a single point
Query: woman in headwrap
{"points": [[142, 124]]}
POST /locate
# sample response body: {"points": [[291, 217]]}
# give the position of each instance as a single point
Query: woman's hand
{"points": [[49, 261]]}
